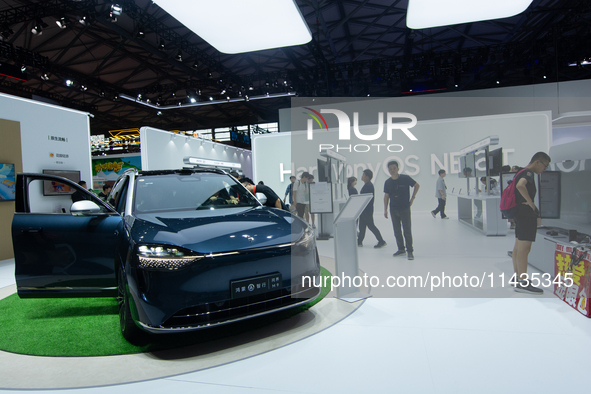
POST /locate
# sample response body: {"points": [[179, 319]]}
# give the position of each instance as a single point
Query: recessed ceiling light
{"points": [[422, 14], [271, 23]]}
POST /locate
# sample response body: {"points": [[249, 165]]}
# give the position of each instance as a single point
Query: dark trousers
{"points": [[402, 225], [440, 207], [366, 221]]}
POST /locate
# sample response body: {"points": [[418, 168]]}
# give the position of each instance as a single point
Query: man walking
{"points": [[397, 194], [527, 220], [441, 195], [366, 217]]}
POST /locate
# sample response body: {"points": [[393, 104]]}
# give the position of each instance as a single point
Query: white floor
{"points": [[510, 344]]}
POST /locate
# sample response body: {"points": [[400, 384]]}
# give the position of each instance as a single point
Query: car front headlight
{"points": [[165, 258], [306, 239]]}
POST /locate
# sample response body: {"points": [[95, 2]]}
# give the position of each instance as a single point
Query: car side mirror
{"points": [[262, 198], [85, 207]]}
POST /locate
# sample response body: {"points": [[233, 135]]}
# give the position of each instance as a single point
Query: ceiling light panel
{"points": [[423, 14], [237, 26]]}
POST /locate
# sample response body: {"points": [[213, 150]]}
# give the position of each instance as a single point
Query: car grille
{"points": [[230, 310]]}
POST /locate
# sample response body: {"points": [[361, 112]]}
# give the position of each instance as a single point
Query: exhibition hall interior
{"points": [[295, 196]]}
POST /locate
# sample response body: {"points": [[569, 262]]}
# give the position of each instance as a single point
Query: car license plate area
{"points": [[253, 286]]}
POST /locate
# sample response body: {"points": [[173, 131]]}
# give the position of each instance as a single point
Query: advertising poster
{"points": [[574, 263], [107, 170], [7, 182]]}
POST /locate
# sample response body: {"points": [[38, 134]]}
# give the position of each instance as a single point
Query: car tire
{"points": [[129, 329]]}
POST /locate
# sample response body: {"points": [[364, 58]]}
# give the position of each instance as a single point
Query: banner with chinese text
{"points": [[578, 264]]}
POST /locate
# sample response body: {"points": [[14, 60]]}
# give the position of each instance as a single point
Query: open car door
{"points": [[63, 249]]}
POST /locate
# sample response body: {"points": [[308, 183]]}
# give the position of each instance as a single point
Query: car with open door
{"points": [[181, 250]]}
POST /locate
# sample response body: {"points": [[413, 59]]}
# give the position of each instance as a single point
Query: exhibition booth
{"points": [[334, 140]]}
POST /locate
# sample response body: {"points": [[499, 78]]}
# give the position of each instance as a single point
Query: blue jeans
{"points": [[402, 225]]}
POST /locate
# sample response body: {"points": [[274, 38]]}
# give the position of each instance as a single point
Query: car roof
{"points": [[183, 171]]}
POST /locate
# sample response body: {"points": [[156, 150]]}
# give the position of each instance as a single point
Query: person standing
{"points": [[366, 217], [441, 195], [351, 183], [527, 220], [301, 194], [397, 197], [289, 192]]}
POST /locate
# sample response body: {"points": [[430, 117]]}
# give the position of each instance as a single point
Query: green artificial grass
{"points": [[79, 327]]}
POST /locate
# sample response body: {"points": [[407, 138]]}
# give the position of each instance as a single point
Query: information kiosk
{"points": [[345, 248]]}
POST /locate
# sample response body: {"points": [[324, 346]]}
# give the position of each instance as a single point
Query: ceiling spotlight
{"points": [[116, 97], [223, 91], [161, 45], [6, 33], [141, 32], [139, 96], [159, 113], [246, 98], [210, 98], [83, 88], [116, 9], [62, 23], [84, 20], [23, 68], [250, 87], [195, 65], [69, 82], [193, 100], [102, 93], [45, 77], [38, 27], [179, 56]]}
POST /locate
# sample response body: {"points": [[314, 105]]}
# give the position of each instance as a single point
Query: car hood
{"points": [[232, 229]]}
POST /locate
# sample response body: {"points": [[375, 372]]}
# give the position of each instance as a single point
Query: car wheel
{"points": [[130, 331]]}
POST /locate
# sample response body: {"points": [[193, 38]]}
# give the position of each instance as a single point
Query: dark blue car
{"points": [[181, 250]]}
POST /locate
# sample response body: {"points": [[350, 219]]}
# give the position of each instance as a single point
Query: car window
{"points": [[168, 192], [41, 203]]}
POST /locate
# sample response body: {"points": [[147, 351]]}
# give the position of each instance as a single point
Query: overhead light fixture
{"points": [[62, 22], [69, 82], [23, 68], [423, 14], [584, 62], [84, 20], [179, 56], [6, 33], [116, 10], [45, 77], [38, 27], [267, 22], [161, 45]]}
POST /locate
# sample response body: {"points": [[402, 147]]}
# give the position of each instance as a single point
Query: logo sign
{"points": [[345, 129]]}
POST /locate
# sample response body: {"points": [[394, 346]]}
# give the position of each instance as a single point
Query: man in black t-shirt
{"points": [[366, 217], [397, 198], [273, 199], [527, 219]]}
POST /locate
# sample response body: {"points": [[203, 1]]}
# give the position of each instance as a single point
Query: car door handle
{"points": [[32, 230]]}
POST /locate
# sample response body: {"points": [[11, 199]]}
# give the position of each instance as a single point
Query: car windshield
{"points": [[178, 192]]}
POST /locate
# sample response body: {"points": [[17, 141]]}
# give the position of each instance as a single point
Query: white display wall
{"points": [[437, 146], [52, 138], [163, 150]]}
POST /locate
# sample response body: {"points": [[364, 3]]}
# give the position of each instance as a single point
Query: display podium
{"points": [[345, 247]]}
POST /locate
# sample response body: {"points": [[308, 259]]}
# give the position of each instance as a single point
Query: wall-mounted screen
{"points": [[51, 188], [495, 162], [323, 171], [7, 182], [549, 194]]}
